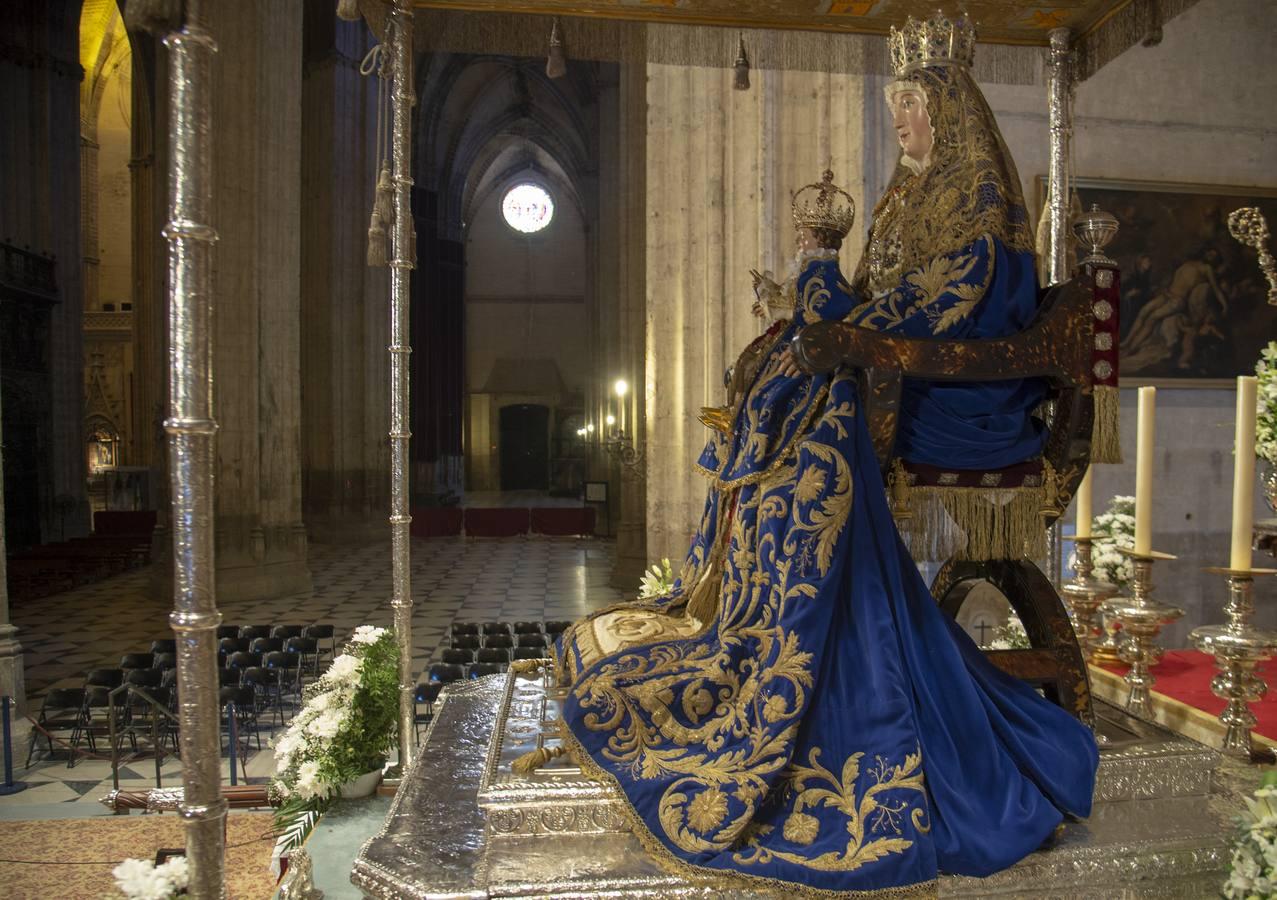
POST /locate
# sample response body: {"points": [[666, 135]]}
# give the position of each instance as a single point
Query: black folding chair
{"points": [[61, 710], [498, 655], [426, 695], [446, 672], [323, 632]]}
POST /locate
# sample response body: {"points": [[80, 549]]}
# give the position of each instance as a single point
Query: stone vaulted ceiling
{"points": [[998, 21]]}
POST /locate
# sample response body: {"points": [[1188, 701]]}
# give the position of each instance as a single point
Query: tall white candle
{"points": [[1144, 471], [1084, 512], [1244, 473]]}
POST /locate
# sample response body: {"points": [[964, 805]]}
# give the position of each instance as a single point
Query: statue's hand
{"points": [[764, 286]]}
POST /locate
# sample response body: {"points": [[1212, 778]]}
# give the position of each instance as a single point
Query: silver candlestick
{"points": [[1084, 595], [1238, 648], [1141, 618]]}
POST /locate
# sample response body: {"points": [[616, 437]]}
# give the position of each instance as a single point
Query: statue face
{"points": [[913, 125]]}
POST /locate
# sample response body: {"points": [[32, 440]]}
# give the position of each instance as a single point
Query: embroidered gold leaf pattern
{"points": [[810, 484], [867, 807], [934, 276]]}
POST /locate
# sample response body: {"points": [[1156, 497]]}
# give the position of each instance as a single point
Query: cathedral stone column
{"points": [[345, 462], [12, 681], [621, 272], [721, 166], [257, 75]]}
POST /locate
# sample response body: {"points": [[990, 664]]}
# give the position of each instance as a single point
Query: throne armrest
{"points": [[1055, 346]]}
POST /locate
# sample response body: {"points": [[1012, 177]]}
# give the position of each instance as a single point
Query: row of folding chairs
{"points": [[445, 673], [498, 641], [324, 636], [500, 655], [510, 628], [84, 715]]}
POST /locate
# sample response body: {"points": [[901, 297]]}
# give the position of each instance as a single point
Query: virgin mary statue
{"points": [[798, 712]]}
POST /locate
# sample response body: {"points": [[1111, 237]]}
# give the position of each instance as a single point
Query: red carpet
{"points": [[496, 521], [564, 520], [1185, 675], [436, 521]]}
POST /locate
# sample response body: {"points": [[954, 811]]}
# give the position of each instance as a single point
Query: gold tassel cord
{"points": [[535, 759], [975, 523], [1106, 444]]}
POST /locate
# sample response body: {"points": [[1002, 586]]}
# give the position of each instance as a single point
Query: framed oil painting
{"points": [[1194, 301]]}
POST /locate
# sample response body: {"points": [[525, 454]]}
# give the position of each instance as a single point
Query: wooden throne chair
{"points": [[1004, 513]]}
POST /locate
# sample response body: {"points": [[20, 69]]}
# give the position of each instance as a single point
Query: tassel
{"points": [[348, 10], [1106, 443], [975, 523], [383, 202], [376, 240], [556, 65], [535, 759], [741, 80], [702, 605]]}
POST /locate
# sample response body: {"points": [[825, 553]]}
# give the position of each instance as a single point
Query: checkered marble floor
{"points": [[63, 636]]}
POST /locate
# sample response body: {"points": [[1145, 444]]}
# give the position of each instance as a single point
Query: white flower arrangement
{"points": [[1266, 405], [657, 581], [139, 879], [1252, 873], [345, 728], [1010, 636], [1113, 528]]}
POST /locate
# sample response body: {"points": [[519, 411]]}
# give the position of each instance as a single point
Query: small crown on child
{"points": [[820, 206], [932, 42]]}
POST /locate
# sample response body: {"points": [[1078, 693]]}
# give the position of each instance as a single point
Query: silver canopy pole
{"points": [[191, 431], [402, 262], [1060, 117], [1060, 93]]}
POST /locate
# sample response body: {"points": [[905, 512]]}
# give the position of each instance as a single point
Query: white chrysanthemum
{"points": [[326, 724], [309, 784], [344, 668], [177, 871], [138, 879], [367, 634], [286, 746]]}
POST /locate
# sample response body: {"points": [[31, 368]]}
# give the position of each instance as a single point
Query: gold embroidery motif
{"points": [[867, 813]]}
